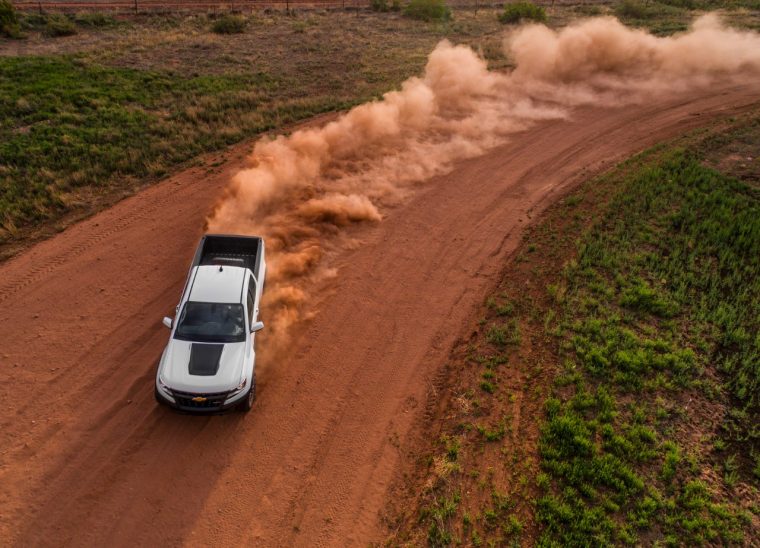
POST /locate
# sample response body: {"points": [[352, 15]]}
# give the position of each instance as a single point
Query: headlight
{"points": [[163, 385], [240, 387]]}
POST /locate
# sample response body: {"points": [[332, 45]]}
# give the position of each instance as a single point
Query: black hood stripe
{"points": [[205, 358]]}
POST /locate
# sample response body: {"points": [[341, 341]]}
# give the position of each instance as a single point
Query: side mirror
{"points": [[168, 322], [257, 326]]}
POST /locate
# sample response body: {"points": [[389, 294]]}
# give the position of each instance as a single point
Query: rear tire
{"points": [[247, 403]]}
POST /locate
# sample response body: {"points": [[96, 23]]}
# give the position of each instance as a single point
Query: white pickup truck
{"points": [[209, 364]]}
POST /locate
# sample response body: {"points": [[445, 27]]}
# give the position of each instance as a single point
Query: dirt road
{"points": [[88, 459]]}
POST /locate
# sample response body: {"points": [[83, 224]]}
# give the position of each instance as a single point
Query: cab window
{"points": [[251, 298]]}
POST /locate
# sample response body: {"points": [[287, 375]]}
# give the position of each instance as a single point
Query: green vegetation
{"points": [[438, 514], [515, 12], [246, 83], [610, 391], [428, 10], [229, 24], [384, 5], [665, 17], [95, 20], [9, 26], [59, 25], [126, 102], [635, 9], [69, 124], [664, 293]]}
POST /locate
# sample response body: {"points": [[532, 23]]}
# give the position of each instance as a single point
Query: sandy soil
{"points": [[88, 458]]}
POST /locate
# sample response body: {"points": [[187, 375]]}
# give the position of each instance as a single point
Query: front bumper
{"points": [[199, 403]]}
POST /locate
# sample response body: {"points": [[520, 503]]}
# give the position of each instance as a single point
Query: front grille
{"points": [[213, 400]]}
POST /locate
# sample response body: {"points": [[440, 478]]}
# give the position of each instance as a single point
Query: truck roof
{"points": [[218, 284]]}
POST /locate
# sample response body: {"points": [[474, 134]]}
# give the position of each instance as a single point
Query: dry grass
{"points": [[125, 104], [206, 90]]}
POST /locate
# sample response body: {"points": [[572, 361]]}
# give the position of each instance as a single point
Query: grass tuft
{"points": [[9, 24], [59, 25], [515, 12], [229, 24], [428, 10]]}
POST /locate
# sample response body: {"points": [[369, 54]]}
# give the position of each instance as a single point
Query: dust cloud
{"points": [[304, 192]]}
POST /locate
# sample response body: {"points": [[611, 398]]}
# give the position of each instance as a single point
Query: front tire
{"points": [[247, 403]]}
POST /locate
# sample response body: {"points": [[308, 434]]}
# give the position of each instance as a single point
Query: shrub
{"points": [[384, 5], [684, 4], [428, 10], [8, 20], [633, 10], [517, 11], [229, 24], [59, 25], [95, 20], [497, 335]]}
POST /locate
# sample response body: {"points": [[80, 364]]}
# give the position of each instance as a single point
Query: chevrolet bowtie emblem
{"points": [[199, 399]]}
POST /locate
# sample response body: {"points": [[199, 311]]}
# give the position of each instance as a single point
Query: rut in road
{"points": [[301, 192]]}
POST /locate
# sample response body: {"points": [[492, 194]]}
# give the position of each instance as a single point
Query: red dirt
{"points": [[89, 459]]}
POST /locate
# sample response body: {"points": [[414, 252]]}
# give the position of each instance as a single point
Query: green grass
{"points": [[428, 10], [9, 24], [385, 5], [95, 20], [664, 288], [229, 24], [59, 25], [638, 304], [193, 91], [438, 515], [515, 12], [127, 102], [68, 124]]}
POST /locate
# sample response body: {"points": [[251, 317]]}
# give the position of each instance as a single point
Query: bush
{"points": [[633, 9], [229, 24], [517, 11], [8, 20], [684, 4], [379, 5], [95, 20], [59, 25], [428, 10], [638, 10]]}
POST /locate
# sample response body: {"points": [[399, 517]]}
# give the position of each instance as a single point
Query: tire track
{"points": [[336, 416]]}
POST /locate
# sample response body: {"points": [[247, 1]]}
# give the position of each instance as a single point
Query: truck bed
{"points": [[223, 249]]}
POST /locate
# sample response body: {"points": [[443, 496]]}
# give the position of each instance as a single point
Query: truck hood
{"points": [[202, 367]]}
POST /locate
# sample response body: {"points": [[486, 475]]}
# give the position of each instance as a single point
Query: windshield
{"points": [[211, 322]]}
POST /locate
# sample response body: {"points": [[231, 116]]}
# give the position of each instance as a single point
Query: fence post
{"points": [[135, 7]]}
